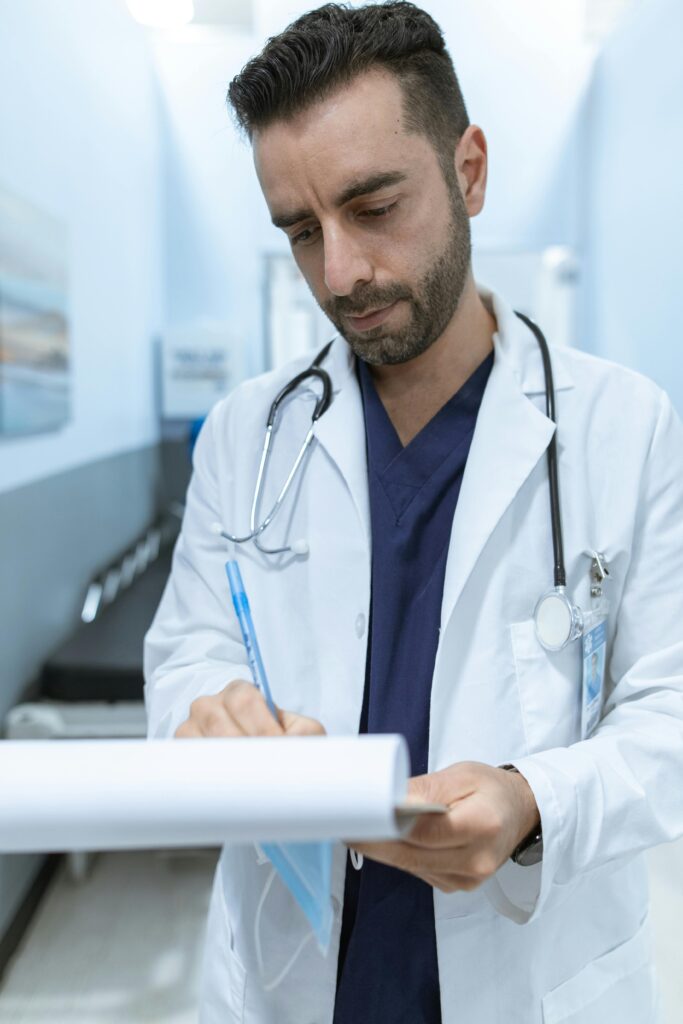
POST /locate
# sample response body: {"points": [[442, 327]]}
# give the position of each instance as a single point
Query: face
{"points": [[380, 235]]}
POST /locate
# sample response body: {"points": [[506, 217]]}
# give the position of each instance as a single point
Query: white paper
{"points": [[114, 794]]}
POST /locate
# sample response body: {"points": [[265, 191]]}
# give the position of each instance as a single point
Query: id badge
{"points": [[594, 653]]}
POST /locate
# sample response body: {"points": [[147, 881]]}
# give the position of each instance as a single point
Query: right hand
{"points": [[241, 710]]}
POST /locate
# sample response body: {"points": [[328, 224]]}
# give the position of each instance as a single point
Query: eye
{"points": [[307, 235], [379, 211]]}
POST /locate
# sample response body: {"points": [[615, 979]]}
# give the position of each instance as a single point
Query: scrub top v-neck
{"points": [[388, 967]]}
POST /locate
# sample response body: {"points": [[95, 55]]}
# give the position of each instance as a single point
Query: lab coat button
{"points": [[360, 625]]}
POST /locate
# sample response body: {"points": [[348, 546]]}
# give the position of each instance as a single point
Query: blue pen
{"points": [[241, 603]]}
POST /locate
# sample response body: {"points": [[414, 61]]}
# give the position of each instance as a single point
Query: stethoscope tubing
{"points": [[559, 572], [322, 404]]}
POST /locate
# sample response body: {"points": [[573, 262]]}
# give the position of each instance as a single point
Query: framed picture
{"points": [[35, 387]]}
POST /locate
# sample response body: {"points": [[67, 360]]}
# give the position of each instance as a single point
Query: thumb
{"points": [[446, 786], [421, 787], [299, 725]]}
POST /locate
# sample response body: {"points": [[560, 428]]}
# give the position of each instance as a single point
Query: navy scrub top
{"points": [[388, 967]]}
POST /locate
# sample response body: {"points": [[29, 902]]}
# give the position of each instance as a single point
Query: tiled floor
{"points": [[124, 946]]}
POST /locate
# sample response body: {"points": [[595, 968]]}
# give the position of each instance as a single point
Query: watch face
{"points": [[531, 854]]}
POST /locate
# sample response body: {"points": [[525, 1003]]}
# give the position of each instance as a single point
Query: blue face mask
{"points": [[306, 870]]}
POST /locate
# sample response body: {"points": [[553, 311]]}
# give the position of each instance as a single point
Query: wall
{"points": [[524, 69], [634, 209], [80, 134], [81, 140], [216, 220]]}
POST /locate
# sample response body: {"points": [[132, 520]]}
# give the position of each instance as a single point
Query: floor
{"points": [[144, 965]]}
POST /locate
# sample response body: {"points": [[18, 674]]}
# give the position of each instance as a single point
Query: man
{"points": [[424, 508]]}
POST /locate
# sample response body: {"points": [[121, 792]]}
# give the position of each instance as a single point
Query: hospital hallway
{"points": [[276, 407], [144, 965]]}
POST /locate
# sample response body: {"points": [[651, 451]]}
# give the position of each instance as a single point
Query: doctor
{"points": [[423, 506]]}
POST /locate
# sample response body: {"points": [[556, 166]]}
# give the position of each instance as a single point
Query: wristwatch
{"points": [[530, 850]]}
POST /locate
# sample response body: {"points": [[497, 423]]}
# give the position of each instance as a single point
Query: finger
{"points": [[452, 883], [447, 786], [209, 715], [188, 730], [471, 865], [449, 830], [300, 725], [436, 870], [394, 854], [217, 723], [247, 707]]}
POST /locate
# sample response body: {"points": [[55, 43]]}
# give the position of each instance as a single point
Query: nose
{"points": [[346, 262]]}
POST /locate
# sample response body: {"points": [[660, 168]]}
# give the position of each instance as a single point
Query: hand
{"points": [[241, 710], [490, 811]]}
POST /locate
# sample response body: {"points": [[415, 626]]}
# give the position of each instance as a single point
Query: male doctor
{"points": [[424, 506]]}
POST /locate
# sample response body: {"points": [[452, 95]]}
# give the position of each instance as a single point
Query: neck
{"points": [[413, 392]]}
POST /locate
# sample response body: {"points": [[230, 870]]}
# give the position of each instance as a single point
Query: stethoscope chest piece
{"points": [[558, 621]]}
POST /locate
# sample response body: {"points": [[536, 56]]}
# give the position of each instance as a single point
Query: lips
{"points": [[372, 319]]}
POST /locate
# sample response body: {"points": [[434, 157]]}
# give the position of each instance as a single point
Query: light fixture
{"points": [[162, 13]]}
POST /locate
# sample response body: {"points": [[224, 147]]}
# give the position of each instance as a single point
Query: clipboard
{"points": [[409, 810]]}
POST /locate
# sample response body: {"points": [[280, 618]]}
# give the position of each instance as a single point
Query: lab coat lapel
{"points": [[341, 430], [511, 435]]}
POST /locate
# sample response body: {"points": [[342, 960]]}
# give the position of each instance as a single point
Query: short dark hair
{"points": [[328, 47]]}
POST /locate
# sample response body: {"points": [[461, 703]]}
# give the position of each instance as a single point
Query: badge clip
{"points": [[599, 572]]}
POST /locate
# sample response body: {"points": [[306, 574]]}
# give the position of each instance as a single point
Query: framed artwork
{"points": [[35, 385]]}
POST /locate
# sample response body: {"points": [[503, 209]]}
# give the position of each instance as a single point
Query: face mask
{"points": [[306, 870]]}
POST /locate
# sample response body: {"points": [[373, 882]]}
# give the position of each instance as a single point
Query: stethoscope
{"points": [[557, 619], [299, 547]]}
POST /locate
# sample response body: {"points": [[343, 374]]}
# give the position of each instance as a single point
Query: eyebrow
{"points": [[355, 189]]}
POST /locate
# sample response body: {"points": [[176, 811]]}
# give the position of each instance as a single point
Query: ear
{"points": [[471, 167]]}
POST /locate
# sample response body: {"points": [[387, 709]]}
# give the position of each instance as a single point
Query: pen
{"points": [[243, 612]]}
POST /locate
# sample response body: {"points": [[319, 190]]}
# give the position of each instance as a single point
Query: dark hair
{"points": [[328, 47]]}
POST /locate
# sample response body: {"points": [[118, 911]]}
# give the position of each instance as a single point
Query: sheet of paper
{"points": [[110, 794]]}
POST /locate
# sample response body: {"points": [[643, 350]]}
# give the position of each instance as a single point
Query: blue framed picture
{"points": [[35, 383]]}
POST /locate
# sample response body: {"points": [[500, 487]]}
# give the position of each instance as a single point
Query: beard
{"points": [[433, 299]]}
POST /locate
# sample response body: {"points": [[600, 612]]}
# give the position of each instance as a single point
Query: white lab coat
{"points": [[567, 940]]}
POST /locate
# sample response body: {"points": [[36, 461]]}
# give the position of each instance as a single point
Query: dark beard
{"points": [[433, 301]]}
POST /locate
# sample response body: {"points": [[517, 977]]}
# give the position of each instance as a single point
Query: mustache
{"points": [[364, 299]]}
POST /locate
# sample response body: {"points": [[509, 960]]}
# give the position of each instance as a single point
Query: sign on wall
{"points": [[35, 386], [200, 364]]}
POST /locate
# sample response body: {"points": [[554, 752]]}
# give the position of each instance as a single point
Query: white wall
{"points": [[216, 221], [80, 132], [524, 68], [635, 200]]}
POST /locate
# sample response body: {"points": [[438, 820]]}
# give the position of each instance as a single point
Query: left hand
{"points": [[490, 811]]}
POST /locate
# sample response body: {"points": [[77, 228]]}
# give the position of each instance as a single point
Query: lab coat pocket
{"points": [[224, 977], [618, 986], [549, 685]]}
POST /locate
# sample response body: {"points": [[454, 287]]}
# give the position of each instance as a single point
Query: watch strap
{"points": [[530, 850]]}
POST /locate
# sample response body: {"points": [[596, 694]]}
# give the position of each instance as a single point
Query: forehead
{"points": [[356, 130]]}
